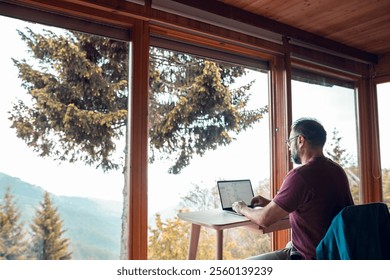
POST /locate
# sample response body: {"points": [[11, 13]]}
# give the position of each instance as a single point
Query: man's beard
{"points": [[295, 157]]}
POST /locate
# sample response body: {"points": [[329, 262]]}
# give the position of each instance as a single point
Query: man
{"points": [[312, 194]]}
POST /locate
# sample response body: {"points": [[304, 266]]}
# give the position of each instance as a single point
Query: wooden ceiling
{"points": [[359, 29], [361, 24]]}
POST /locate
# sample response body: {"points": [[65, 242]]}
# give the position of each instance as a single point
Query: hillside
{"points": [[93, 226]]}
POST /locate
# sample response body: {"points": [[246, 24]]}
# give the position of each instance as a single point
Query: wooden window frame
{"points": [[367, 119]]}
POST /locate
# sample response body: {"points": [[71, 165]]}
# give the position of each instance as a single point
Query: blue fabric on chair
{"points": [[358, 232]]}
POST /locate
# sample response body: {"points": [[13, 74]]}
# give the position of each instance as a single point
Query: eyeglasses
{"points": [[290, 139]]}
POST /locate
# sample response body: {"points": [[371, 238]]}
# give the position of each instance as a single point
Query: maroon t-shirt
{"points": [[313, 194]]}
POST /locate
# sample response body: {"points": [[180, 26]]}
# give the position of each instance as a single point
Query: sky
{"points": [[248, 157], [384, 128]]}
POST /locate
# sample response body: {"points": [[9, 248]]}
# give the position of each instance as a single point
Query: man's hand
{"points": [[238, 206], [259, 201]]}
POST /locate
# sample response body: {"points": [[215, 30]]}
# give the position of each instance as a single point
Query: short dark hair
{"points": [[311, 129]]}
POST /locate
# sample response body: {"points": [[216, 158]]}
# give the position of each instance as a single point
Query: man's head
{"points": [[309, 131]]}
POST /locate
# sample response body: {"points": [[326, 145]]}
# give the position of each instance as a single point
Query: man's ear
{"points": [[301, 139]]}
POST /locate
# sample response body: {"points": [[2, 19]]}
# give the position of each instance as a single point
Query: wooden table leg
{"points": [[219, 245], [194, 240]]}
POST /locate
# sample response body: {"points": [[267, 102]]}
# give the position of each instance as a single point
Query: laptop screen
{"points": [[234, 190]]}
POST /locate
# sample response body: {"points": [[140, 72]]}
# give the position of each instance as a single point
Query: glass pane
{"points": [[208, 122], [63, 111], [384, 133], [333, 103]]}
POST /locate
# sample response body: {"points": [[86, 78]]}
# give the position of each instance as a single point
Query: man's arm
{"points": [[264, 217]]}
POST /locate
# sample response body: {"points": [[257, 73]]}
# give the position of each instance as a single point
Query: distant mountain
{"points": [[93, 226]]}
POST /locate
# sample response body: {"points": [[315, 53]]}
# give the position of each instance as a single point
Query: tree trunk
{"points": [[126, 201]]}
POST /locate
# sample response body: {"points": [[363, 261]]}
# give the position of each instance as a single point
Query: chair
{"points": [[358, 232]]}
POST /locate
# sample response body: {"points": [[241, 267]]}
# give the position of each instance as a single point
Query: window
{"points": [[332, 101], [89, 200], [208, 121], [384, 138]]}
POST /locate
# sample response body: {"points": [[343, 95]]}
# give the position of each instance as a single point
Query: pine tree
{"points": [[79, 89], [12, 234], [341, 156], [338, 153], [193, 108], [47, 241]]}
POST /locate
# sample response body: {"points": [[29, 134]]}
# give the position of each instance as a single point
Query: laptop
{"points": [[234, 190]]}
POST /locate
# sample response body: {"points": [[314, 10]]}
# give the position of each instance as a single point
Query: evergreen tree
{"points": [[78, 84], [12, 235], [193, 108], [338, 153], [79, 89], [48, 242], [341, 156]]}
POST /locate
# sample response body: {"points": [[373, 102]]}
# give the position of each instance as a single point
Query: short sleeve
{"points": [[293, 193]]}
